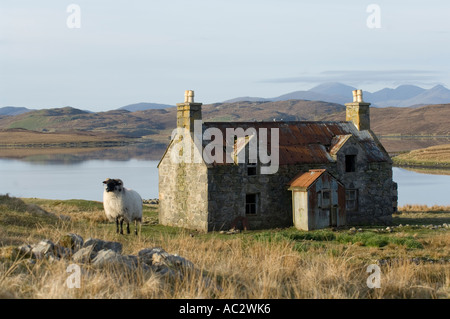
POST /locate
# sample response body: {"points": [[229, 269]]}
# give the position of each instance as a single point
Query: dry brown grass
{"points": [[423, 208], [239, 266], [258, 271]]}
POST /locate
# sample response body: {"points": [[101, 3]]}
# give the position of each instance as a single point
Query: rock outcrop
{"points": [[98, 254]]}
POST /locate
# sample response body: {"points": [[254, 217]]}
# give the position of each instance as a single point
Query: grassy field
{"points": [[434, 156], [279, 263]]}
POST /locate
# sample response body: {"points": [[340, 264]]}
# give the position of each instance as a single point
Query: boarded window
{"points": [[350, 163], [326, 196], [251, 204], [351, 199], [324, 199]]}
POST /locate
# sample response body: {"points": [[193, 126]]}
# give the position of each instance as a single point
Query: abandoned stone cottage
{"points": [[327, 173]]}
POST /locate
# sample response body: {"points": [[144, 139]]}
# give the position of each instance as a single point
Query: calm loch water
{"points": [[83, 180], [76, 180]]}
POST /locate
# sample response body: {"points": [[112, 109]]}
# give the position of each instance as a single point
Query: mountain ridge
{"points": [[335, 92], [425, 120], [331, 92]]}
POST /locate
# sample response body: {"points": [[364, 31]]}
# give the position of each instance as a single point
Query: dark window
{"points": [[351, 199], [251, 168], [350, 163], [326, 198], [250, 204]]}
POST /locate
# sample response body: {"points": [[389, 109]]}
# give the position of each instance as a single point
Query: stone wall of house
{"points": [[183, 197], [228, 186], [208, 198], [373, 180], [225, 190]]}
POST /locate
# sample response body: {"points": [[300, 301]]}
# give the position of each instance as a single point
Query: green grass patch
{"points": [[291, 234], [377, 240], [366, 238], [32, 123]]}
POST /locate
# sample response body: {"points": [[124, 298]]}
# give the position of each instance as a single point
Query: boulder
{"points": [[62, 252], [43, 249], [99, 244], [108, 258], [71, 241], [84, 255], [146, 255], [171, 261]]}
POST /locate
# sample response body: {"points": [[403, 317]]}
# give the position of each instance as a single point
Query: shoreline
{"points": [[443, 166]]}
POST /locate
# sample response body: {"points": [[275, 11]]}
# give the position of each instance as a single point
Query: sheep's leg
{"points": [[117, 225], [128, 228], [135, 227], [121, 226]]}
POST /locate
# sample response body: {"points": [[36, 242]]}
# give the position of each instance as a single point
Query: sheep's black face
{"points": [[112, 185]]}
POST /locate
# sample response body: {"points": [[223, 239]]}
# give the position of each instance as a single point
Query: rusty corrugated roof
{"points": [[306, 179], [309, 141]]}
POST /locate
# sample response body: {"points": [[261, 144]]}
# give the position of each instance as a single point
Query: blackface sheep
{"points": [[121, 204]]}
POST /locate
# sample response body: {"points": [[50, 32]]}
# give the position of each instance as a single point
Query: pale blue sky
{"points": [[151, 51]]}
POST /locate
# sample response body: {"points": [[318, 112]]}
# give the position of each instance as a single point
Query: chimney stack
{"points": [[358, 111], [188, 112]]}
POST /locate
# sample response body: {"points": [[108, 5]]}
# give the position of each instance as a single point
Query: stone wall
{"points": [[183, 197], [208, 198], [373, 180], [228, 186]]}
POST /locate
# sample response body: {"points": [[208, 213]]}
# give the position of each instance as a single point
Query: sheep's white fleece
{"points": [[126, 204]]}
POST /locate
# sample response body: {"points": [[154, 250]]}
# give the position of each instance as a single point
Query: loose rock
{"points": [[72, 241], [43, 249], [84, 255], [104, 255], [99, 244]]}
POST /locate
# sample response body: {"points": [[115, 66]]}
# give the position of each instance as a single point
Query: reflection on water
{"points": [[141, 151]]}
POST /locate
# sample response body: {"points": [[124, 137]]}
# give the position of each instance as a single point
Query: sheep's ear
{"points": [[119, 181], [106, 181]]}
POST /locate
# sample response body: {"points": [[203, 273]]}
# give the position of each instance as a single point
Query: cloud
{"points": [[362, 76]]}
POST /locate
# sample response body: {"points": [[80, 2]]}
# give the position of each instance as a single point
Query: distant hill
{"points": [[144, 106], [12, 110], [436, 95], [158, 123], [291, 110], [247, 99], [430, 120], [333, 89], [333, 92], [71, 119], [394, 97]]}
